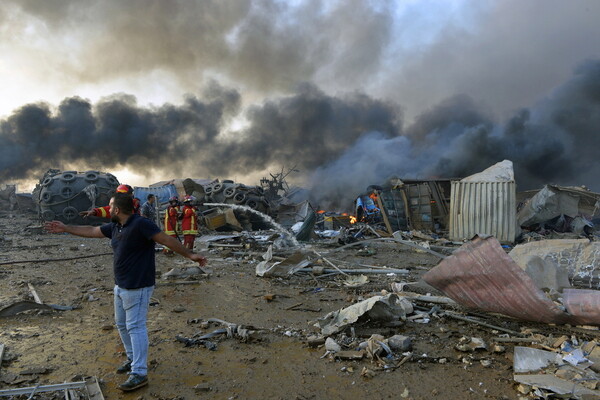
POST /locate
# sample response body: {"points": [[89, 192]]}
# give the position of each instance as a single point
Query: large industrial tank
{"points": [[62, 195]]}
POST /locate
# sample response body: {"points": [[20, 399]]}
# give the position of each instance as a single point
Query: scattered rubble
{"points": [[316, 294]]}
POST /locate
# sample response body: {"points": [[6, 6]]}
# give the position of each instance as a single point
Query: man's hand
{"points": [[178, 248], [55, 227], [86, 214], [201, 260]]}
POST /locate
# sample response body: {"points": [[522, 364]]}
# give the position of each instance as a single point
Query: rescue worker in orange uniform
{"points": [[189, 222], [104, 212], [171, 217]]}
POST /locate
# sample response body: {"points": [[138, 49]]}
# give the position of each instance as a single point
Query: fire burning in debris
{"points": [[351, 218]]}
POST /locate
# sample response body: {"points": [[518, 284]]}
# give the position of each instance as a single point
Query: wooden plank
{"points": [[384, 215], [93, 388], [36, 297], [1, 353]]}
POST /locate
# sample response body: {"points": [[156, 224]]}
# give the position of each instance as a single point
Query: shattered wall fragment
{"points": [[579, 258]]}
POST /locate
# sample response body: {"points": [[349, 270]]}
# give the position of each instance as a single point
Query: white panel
{"points": [[483, 208]]}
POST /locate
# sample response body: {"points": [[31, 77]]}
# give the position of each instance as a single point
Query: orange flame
{"points": [[352, 219]]}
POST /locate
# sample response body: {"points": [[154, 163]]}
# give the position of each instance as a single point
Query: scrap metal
{"points": [[481, 275], [91, 387]]}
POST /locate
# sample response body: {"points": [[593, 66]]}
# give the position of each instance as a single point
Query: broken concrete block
{"points": [[471, 344], [498, 348], [332, 345], [400, 343], [315, 341]]}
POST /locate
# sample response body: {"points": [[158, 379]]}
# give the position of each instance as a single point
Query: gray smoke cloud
{"points": [[554, 141], [265, 45], [505, 54]]}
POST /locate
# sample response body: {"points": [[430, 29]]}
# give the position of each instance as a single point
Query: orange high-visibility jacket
{"points": [[171, 220], [189, 223], [104, 212]]}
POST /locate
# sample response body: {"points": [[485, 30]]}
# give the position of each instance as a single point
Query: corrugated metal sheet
{"points": [[481, 275], [483, 208]]}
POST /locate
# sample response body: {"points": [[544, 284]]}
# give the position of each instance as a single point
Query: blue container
{"points": [[162, 193]]}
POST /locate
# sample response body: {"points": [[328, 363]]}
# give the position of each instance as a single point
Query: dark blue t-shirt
{"points": [[133, 248]]}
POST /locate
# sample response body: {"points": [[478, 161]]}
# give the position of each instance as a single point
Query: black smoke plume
{"points": [[554, 141], [112, 133], [341, 143]]}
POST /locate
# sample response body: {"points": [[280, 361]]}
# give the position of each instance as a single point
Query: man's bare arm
{"points": [[77, 230], [177, 247]]}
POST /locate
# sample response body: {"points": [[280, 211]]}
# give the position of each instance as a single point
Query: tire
{"points": [[91, 176], [217, 187], [47, 181], [46, 196], [253, 204], [68, 176], [70, 213], [239, 198], [112, 180], [208, 190], [229, 192], [48, 215]]}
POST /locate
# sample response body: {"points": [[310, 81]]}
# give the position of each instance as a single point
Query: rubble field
{"points": [[265, 343]]}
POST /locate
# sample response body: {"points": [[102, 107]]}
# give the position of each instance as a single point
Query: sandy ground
{"points": [[277, 365]]}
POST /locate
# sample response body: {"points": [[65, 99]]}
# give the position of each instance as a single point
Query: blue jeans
{"points": [[131, 309]]}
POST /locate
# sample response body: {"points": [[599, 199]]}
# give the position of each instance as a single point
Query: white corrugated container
{"points": [[483, 208]]}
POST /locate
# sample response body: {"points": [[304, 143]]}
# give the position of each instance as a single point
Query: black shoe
{"points": [[133, 382], [125, 367]]}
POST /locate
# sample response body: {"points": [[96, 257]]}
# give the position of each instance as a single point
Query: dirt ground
{"points": [[65, 345]]}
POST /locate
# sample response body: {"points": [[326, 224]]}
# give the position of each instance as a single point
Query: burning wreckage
{"points": [[509, 268]]}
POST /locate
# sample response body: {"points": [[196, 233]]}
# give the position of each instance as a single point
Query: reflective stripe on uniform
{"points": [[193, 228]]}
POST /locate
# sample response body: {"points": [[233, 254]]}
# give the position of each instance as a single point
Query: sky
{"points": [[347, 92]]}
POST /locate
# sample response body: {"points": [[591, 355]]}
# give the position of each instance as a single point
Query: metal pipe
{"points": [[359, 271]]}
